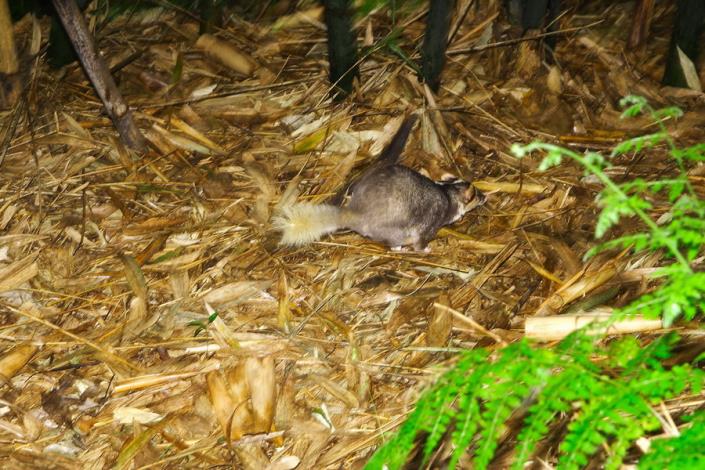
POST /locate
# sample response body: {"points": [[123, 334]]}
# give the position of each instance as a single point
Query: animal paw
{"points": [[421, 246]]}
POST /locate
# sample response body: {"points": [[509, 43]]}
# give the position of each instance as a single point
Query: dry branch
{"points": [[99, 74]]}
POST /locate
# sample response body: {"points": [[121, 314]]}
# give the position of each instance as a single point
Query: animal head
{"points": [[466, 196]]}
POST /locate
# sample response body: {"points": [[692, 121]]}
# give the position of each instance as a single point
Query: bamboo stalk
{"points": [[8, 51]]}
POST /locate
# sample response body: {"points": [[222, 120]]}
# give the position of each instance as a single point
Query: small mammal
{"points": [[389, 203]]}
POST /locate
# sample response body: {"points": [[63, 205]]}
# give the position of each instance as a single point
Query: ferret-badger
{"points": [[389, 203]]}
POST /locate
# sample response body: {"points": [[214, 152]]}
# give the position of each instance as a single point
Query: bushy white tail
{"points": [[305, 223]]}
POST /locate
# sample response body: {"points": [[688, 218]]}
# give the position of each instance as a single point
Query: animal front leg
{"points": [[422, 241], [422, 247]]}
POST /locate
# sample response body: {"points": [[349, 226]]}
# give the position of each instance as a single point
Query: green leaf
{"points": [[670, 112], [550, 160], [634, 105], [605, 394]]}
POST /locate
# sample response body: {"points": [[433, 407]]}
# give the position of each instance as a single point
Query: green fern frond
{"points": [[471, 404], [684, 451], [598, 400]]}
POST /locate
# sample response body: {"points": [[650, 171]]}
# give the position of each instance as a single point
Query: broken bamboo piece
{"points": [[558, 327]]}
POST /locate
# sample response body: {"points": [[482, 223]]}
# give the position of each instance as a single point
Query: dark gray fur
{"points": [[395, 205]]}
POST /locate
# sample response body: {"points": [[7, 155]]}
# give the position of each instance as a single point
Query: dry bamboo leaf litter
{"points": [[147, 305]]}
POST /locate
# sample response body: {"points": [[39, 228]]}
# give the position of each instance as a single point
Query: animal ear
{"points": [[448, 178], [473, 197], [470, 193]]}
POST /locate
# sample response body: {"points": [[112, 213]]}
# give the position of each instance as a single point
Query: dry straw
{"points": [[153, 288]]}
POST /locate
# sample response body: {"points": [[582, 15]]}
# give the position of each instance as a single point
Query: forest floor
{"points": [[145, 297]]}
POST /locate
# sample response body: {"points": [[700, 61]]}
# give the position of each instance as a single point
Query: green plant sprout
{"points": [[202, 326]]}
